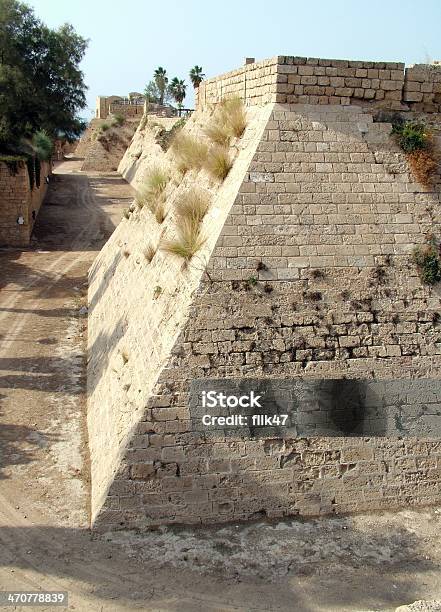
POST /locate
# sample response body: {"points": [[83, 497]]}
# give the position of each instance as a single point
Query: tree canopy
{"points": [[41, 84]]}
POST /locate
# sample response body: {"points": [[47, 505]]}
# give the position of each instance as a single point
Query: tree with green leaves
{"points": [[161, 81], [41, 85], [196, 76], [178, 89]]}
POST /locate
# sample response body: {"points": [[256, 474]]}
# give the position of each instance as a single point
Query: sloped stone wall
{"points": [[137, 308], [309, 277]]}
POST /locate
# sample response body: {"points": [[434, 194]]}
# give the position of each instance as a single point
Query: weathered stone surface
{"points": [[18, 199], [307, 277]]}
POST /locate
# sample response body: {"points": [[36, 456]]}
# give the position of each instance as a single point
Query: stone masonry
{"points": [[17, 199], [308, 256], [311, 80]]}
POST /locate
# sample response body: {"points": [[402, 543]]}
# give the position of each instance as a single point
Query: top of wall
{"points": [[292, 80]]}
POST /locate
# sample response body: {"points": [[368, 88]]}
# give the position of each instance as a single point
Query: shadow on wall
{"points": [[106, 279], [100, 353]]}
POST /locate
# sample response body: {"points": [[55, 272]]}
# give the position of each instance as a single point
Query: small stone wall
{"points": [[422, 88], [17, 199], [127, 110]]}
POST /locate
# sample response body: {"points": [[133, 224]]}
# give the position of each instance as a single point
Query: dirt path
{"points": [[365, 563]]}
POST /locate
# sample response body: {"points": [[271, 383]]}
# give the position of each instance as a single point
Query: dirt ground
{"points": [[363, 563]]}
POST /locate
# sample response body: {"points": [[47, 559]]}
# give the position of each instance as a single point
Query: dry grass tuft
{"points": [[423, 165], [190, 152], [233, 112], [218, 132], [152, 193], [157, 208], [218, 162], [149, 253], [188, 241], [193, 205], [228, 121]]}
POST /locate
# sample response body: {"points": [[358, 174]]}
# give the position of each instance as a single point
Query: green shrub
{"points": [[42, 145], [428, 263], [118, 120], [104, 127], [412, 135]]}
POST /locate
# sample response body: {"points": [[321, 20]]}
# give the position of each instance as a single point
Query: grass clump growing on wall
{"points": [[217, 132], [412, 135], [228, 121], [193, 205], [149, 253], [428, 263], [218, 162], [190, 152], [424, 166], [187, 242], [416, 141], [233, 114], [152, 193], [157, 208]]}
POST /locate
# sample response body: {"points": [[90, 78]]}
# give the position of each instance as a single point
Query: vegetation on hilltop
{"points": [[160, 91]]}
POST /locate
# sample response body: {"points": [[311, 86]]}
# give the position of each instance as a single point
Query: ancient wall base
{"points": [[310, 276]]}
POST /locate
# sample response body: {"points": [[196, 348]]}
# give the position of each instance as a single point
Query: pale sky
{"points": [[126, 46]]}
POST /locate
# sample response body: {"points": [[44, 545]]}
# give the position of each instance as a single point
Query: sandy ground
{"points": [[363, 563]]}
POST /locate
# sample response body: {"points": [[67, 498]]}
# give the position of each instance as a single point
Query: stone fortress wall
{"points": [[302, 80], [321, 212], [18, 199]]}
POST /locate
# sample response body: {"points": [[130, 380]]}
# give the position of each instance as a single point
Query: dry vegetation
{"points": [[152, 193], [233, 116], [149, 253], [218, 162], [191, 153], [423, 165], [416, 140], [228, 121], [187, 242], [193, 204]]}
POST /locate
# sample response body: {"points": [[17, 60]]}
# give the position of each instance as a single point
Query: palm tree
{"points": [[178, 89], [196, 75], [161, 79]]}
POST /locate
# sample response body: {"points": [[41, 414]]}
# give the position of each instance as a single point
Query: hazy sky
{"points": [[126, 46]]}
